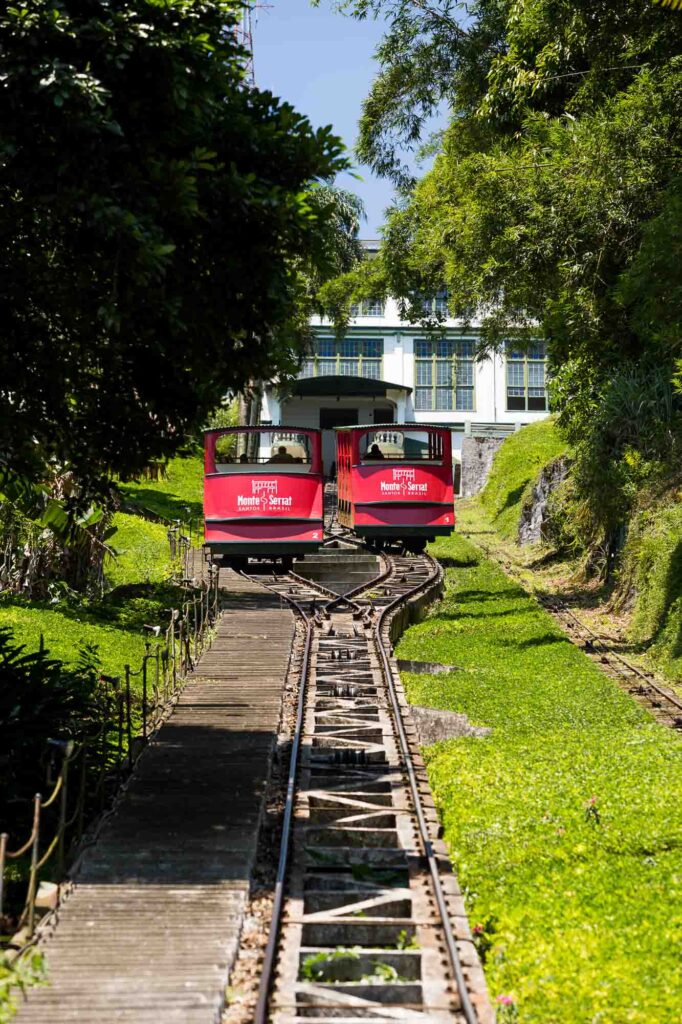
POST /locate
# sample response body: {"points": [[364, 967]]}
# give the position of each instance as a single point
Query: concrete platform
{"points": [[339, 569]]}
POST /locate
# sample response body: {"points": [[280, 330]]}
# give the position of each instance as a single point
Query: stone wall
{"points": [[534, 512], [477, 460]]}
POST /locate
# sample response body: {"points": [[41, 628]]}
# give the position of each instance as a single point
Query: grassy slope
{"points": [[653, 557], [516, 466], [136, 575], [587, 914], [178, 496], [651, 560]]}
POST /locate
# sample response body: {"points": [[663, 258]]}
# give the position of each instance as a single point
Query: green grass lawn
{"points": [[135, 578], [115, 626], [142, 552], [565, 824], [179, 495]]}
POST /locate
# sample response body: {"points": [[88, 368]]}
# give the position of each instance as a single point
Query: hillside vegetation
{"points": [[135, 591], [563, 824], [644, 579]]}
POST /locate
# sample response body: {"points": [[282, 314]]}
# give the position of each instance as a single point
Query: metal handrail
{"points": [[121, 729]]}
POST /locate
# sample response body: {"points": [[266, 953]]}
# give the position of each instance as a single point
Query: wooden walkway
{"points": [[151, 928]]}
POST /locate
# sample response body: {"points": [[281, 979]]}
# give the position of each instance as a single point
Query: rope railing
{"points": [[94, 767]]}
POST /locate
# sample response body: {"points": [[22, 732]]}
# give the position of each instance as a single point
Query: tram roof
{"points": [[270, 428], [387, 427]]}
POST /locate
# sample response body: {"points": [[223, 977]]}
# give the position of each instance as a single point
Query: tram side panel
{"points": [[399, 501], [266, 504], [250, 514], [384, 500]]}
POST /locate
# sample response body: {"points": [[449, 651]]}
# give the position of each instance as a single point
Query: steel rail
{"points": [[267, 972], [453, 953], [559, 607], [261, 1011]]}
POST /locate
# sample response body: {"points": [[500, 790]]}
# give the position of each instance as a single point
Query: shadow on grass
{"points": [[482, 614], [537, 641], [448, 562], [128, 607], [162, 504], [487, 595], [513, 497]]}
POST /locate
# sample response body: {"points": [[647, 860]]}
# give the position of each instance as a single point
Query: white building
{"points": [[385, 371]]}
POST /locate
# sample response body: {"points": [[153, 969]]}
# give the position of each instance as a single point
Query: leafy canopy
{"points": [[157, 228]]}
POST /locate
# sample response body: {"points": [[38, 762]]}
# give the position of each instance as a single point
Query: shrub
{"points": [[652, 571], [40, 698]]}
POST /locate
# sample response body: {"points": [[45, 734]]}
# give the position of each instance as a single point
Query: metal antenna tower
{"points": [[247, 23]]}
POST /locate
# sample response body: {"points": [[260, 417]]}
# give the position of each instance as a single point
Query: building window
{"points": [[526, 378], [436, 305], [368, 307], [350, 357], [444, 374]]}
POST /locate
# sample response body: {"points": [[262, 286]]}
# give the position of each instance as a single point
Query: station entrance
{"points": [[330, 418]]}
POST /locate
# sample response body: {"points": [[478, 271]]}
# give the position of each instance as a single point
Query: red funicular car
{"points": [[395, 483], [263, 493]]}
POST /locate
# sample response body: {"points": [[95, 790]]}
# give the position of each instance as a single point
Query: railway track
{"points": [[642, 685], [665, 704], [368, 922]]}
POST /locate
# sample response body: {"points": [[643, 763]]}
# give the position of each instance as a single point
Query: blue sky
{"points": [[322, 63]]}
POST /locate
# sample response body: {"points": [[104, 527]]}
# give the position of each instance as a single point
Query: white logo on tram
{"points": [[264, 496], [403, 483]]}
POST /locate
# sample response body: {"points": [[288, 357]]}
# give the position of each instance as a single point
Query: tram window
{"points": [[259, 451], [403, 445]]}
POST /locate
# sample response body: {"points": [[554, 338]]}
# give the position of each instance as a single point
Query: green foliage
{"points": [[65, 628], [652, 568], [16, 975], [553, 207], [515, 468], [141, 549], [624, 429], [583, 923], [317, 966], [366, 281], [40, 697], [159, 226]]}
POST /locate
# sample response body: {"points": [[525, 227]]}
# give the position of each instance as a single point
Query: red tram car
{"points": [[263, 493], [395, 483]]}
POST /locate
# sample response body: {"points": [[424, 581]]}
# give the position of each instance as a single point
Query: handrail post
{"points": [[157, 677], [63, 807], [4, 839], [119, 708], [174, 669], [129, 727], [33, 873], [196, 628], [144, 697], [81, 793]]}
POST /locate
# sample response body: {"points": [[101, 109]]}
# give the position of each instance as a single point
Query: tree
{"points": [[553, 206], [157, 230]]}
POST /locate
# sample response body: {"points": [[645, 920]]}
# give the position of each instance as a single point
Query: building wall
{"points": [[398, 367], [490, 397]]}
